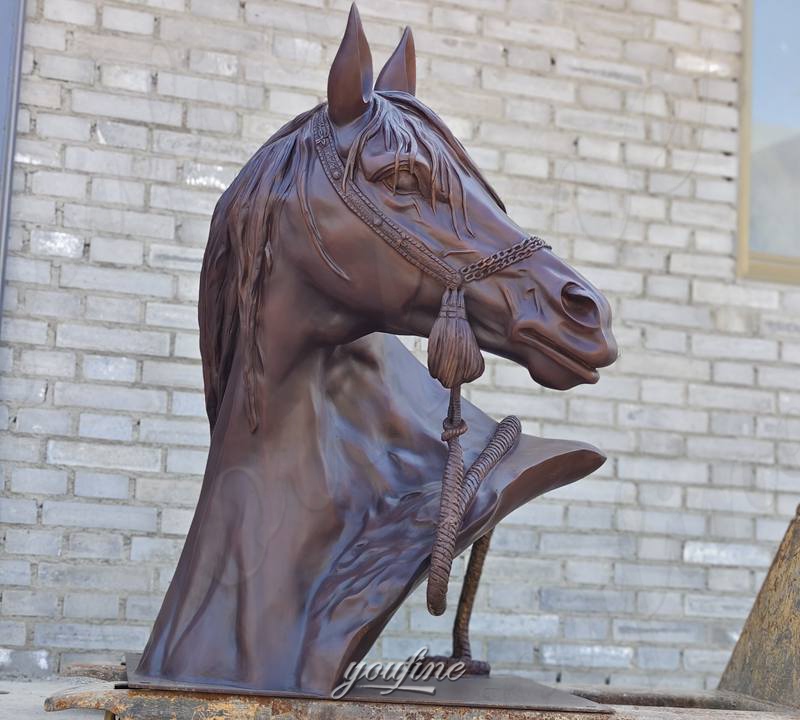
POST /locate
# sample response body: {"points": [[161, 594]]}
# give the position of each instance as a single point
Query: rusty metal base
{"points": [[122, 704], [506, 692]]}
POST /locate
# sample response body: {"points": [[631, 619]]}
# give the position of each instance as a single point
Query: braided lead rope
{"points": [[458, 492], [458, 488]]}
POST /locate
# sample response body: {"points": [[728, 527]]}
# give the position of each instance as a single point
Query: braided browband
{"points": [[411, 248]]}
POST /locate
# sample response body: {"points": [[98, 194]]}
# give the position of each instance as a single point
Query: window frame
{"points": [[753, 264], [12, 21]]}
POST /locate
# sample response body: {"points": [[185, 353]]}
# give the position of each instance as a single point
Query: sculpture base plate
{"points": [[506, 692], [126, 704]]}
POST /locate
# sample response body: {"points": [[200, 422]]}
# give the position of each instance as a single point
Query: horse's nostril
{"points": [[580, 305]]}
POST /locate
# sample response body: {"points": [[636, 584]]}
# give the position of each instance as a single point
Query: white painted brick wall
{"points": [[608, 127]]}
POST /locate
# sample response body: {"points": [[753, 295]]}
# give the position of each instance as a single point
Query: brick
{"points": [[95, 515], [710, 553], [91, 637], [709, 14], [695, 660], [12, 633], [23, 391], [585, 600], [220, 92], [100, 338], [32, 542], [125, 77], [129, 21], [105, 427], [590, 517], [26, 664], [62, 126], [60, 244], [146, 549], [729, 398], [213, 120], [109, 397], [599, 545], [539, 626], [123, 135], [173, 432], [654, 521], [15, 572], [18, 511], [118, 192], [50, 37], [628, 574], [61, 67], [657, 658], [142, 607], [657, 631], [115, 250], [720, 606], [100, 367], [74, 12], [116, 309], [51, 303], [93, 606], [18, 331], [116, 457], [88, 484], [93, 545], [607, 72], [122, 281], [587, 656], [183, 461], [519, 84], [28, 603], [226, 64], [127, 107], [38, 481]]}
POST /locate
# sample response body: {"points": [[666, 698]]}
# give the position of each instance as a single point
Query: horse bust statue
{"points": [[329, 492]]}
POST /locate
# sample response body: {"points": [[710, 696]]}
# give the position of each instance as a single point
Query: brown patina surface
{"points": [[321, 498]]}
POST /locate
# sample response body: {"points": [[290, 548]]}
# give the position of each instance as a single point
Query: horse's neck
{"points": [[335, 420]]}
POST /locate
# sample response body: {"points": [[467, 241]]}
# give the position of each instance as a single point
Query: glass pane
{"points": [[775, 128]]}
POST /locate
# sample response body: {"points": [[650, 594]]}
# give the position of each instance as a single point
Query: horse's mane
{"points": [[239, 253]]}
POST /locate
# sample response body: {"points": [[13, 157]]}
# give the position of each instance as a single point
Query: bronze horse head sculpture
{"points": [[322, 501]]}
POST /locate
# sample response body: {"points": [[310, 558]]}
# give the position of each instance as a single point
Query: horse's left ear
{"points": [[400, 71], [350, 78]]}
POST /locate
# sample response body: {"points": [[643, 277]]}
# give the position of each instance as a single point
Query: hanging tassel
{"points": [[454, 357]]}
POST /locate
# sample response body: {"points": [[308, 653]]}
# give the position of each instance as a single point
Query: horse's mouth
{"points": [[561, 357]]}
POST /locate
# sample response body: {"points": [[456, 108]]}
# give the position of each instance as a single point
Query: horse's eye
{"points": [[406, 182]]}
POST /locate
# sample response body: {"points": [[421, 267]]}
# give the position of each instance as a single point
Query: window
{"points": [[769, 222]]}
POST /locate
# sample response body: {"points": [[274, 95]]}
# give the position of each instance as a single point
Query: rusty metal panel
{"points": [[155, 705], [766, 661]]}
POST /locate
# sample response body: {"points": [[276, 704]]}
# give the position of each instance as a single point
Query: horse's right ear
{"points": [[400, 71], [350, 78]]}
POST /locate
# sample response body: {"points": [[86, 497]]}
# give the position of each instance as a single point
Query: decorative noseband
{"points": [[410, 247], [454, 358]]}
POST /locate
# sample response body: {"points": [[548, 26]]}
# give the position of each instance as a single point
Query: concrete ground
{"points": [[25, 700]]}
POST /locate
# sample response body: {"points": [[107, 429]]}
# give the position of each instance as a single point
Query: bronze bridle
{"points": [[459, 487]]}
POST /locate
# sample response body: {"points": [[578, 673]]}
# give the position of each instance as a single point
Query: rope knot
{"points": [[453, 429]]}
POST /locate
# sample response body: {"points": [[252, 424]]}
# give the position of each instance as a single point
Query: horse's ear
{"points": [[350, 78], [400, 71]]}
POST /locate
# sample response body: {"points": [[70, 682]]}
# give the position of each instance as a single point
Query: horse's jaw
{"points": [[309, 534]]}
